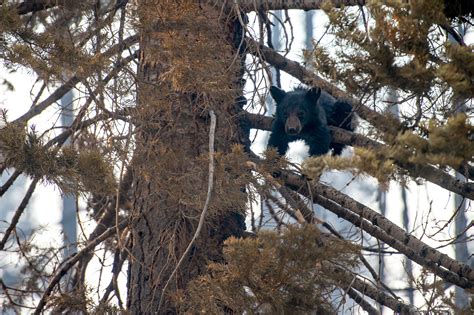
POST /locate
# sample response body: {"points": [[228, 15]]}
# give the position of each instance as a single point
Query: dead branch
{"points": [[71, 261], [71, 83], [19, 211], [428, 172], [256, 5], [382, 228], [202, 217]]}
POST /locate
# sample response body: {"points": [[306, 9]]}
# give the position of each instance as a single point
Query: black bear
{"points": [[304, 114]]}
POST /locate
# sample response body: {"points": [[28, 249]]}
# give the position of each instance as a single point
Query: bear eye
{"points": [[301, 114]]}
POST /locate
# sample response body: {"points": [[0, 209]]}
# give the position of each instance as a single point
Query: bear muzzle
{"points": [[293, 126]]}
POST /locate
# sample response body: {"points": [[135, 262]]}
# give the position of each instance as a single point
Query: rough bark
{"points": [[184, 72]]}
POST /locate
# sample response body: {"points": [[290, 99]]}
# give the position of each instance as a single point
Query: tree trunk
{"points": [[188, 66]]}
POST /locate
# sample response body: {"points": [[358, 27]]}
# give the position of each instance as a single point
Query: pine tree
{"points": [[159, 150]]}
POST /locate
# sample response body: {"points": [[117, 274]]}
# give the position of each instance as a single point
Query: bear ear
{"points": [[313, 94], [277, 93]]}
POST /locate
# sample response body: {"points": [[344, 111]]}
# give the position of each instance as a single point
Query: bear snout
{"points": [[293, 126]]}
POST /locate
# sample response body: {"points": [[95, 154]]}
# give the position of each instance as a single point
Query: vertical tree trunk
{"points": [[188, 66]]}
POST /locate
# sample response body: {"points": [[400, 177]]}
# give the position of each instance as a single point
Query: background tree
{"points": [[160, 153]]}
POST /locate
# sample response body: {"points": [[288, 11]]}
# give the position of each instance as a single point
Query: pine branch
{"points": [[71, 83], [386, 124], [256, 5], [304, 215], [30, 6], [382, 228], [342, 136]]}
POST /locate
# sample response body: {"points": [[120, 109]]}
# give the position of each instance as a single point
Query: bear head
{"points": [[296, 109]]}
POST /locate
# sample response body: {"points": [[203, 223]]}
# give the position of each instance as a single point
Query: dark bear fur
{"points": [[304, 114]]}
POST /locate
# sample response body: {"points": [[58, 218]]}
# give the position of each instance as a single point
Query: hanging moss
{"points": [[73, 171], [458, 71]]}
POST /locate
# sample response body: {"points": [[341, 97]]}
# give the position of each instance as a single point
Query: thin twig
{"points": [[68, 263], [210, 185], [18, 213], [71, 83], [9, 182]]}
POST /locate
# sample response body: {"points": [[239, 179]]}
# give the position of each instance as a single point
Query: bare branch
{"points": [[255, 5], [367, 289], [366, 306], [9, 182], [428, 172], [71, 83], [383, 229], [68, 263], [18, 213]]}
